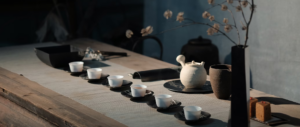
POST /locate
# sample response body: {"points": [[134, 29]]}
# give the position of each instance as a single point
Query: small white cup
{"points": [[115, 80], [76, 66], [94, 73], [192, 112], [138, 90], [163, 100]]}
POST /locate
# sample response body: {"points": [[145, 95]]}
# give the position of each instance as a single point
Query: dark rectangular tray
{"points": [[157, 74], [58, 56]]}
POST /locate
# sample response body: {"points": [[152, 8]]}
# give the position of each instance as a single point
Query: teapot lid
{"points": [[194, 64], [199, 41]]}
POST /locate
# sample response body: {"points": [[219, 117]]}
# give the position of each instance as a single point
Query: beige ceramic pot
{"points": [[193, 74]]}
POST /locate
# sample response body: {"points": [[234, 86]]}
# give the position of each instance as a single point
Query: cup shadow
{"points": [[120, 89], [170, 111], [142, 100], [217, 123]]}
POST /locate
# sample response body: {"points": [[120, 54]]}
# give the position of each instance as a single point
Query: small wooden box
{"points": [[263, 111], [252, 106]]}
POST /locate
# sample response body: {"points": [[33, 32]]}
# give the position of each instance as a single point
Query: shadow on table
{"points": [[94, 63], [277, 101], [215, 122], [171, 111], [120, 89], [292, 120], [142, 100], [114, 57]]}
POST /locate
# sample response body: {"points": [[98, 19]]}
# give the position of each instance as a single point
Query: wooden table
{"points": [[65, 100]]}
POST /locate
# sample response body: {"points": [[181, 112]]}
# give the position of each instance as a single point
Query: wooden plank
{"points": [[12, 115], [47, 104]]}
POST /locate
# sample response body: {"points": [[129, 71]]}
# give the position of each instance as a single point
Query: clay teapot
{"points": [[193, 74]]}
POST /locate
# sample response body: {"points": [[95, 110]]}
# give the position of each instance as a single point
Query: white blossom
{"points": [[168, 14], [129, 33], [180, 17], [147, 30]]}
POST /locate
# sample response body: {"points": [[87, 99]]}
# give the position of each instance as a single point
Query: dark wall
{"points": [[19, 20], [102, 20], [273, 39]]}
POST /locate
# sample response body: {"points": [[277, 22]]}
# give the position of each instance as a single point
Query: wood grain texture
{"points": [[51, 106], [12, 115]]}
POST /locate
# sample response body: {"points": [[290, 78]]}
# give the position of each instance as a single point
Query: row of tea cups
{"points": [[162, 100], [165, 101], [95, 73]]}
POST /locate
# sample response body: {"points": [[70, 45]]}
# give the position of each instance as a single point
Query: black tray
{"points": [[58, 56], [175, 104], [157, 74], [180, 116], [127, 93], [176, 86], [275, 120]]}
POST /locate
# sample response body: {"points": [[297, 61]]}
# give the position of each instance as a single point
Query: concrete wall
{"points": [[274, 41]]}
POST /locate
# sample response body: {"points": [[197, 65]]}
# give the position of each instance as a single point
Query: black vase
{"points": [[240, 86]]}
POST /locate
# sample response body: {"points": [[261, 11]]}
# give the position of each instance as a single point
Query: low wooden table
{"points": [[65, 100]]}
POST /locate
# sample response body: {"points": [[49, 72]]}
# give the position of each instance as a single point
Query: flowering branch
{"points": [[215, 6], [214, 29], [248, 24], [243, 11], [218, 31], [227, 28], [237, 30]]}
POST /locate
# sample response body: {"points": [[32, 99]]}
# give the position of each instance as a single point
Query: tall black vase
{"points": [[240, 86]]}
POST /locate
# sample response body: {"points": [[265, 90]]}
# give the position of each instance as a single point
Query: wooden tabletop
{"points": [[61, 98]]}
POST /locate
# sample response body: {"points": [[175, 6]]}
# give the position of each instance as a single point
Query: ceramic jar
{"points": [[220, 80]]}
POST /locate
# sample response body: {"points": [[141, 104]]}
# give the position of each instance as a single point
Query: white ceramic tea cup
{"points": [[163, 100], [94, 73], [192, 112], [115, 80], [138, 90], [76, 66]]}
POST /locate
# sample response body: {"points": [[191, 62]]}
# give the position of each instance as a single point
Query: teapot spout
{"points": [[181, 59]]}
